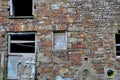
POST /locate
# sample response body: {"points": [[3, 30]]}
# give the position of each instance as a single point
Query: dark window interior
{"points": [[118, 31], [30, 37], [118, 54], [22, 7], [22, 47], [117, 38], [118, 48]]}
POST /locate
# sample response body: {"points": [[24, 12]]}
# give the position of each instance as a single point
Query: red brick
{"points": [[117, 68], [1, 20], [82, 35], [60, 27], [48, 53], [47, 43], [100, 71], [18, 28], [78, 52], [75, 58], [78, 45], [75, 35], [43, 31], [26, 27], [109, 64]]}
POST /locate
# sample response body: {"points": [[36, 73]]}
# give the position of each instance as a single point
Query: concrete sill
{"points": [[59, 50], [118, 57], [21, 17]]}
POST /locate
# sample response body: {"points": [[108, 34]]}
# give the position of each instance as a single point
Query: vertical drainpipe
{"points": [[2, 59], [2, 65]]}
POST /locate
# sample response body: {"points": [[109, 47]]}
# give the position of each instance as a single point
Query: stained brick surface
{"points": [[91, 26]]}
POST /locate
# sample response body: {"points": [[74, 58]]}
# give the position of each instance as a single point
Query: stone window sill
{"points": [[118, 57], [59, 50], [21, 17]]}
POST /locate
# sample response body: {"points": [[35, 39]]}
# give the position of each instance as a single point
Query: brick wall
{"points": [[91, 26]]}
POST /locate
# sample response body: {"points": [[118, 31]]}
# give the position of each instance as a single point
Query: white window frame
{"points": [[55, 49], [21, 54], [14, 41], [11, 8]]}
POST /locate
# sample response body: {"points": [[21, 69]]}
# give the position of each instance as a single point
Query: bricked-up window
{"points": [[21, 42], [21, 8], [59, 40], [117, 37]]}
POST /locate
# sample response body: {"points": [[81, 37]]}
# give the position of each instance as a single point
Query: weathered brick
{"points": [[75, 58], [78, 45], [80, 52], [100, 71], [47, 43], [82, 35], [1, 20], [48, 53], [91, 27]]}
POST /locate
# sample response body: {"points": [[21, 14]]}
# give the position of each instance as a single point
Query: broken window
{"points": [[117, 37], [21, 52], [21, 8], [59, 40], [21, 42]]}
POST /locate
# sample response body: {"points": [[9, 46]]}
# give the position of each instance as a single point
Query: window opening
{"points": [[21, 55], [117, 37], [23, 8], [22, 43]]}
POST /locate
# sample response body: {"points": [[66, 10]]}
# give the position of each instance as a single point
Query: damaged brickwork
{"points": [[90, 26]]}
